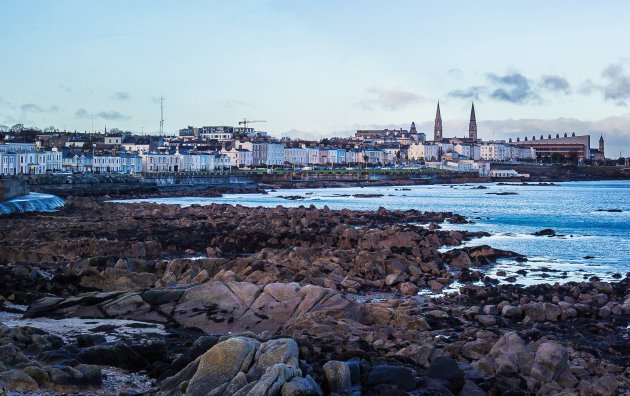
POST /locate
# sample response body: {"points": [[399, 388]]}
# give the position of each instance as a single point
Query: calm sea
{"points": [[591, 241]]}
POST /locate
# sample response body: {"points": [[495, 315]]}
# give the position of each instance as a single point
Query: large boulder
{"points": [[402, 377], [446, 370], [301, 386], [117, 355], [509, 356], [221, 364], [552, 360], [17, 381], [338, 377]]}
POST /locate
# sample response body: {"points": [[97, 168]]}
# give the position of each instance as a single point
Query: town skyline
{"points": [[315, 72]]}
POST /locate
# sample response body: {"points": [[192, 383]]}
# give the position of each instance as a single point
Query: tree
{"points": [[4, 128], [325, 141], [88, 146], [51, 129], [17, 128]]}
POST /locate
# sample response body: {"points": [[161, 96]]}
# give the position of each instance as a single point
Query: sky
{"points": [[315, 69]]}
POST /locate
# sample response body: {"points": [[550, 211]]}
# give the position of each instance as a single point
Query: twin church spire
{"points": [[437, 128]]}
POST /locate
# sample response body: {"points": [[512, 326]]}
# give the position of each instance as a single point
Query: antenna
{"points": [[161, 115]]}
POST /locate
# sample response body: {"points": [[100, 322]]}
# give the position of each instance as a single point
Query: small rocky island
{"points": [[106, 298]]}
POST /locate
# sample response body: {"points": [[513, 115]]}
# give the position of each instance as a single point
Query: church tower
{"points": [[472, 127], [437, 129], [601, 144]]}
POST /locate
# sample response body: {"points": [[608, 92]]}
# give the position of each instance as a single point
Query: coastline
{"points": [[223, 268]]}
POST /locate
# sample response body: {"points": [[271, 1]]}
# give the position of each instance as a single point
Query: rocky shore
{"points": [[290, 301]]}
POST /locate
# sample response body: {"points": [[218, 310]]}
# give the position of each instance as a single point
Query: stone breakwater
{"points": [[295, 301]]}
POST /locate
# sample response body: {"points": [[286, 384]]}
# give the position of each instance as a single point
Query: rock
{"points": [[408, 289], [17, 381], [471, 389], [221, 364], [603, 287], [301, 386], [545, 232], [117, 355], [511, 355], [420, 354], [282, 350], [338, 377], [402, 377], [272, 382], [510, 311], [551, 360], [445, 368], [486, 320], [552, 312], [460, 259], [490, 309]]}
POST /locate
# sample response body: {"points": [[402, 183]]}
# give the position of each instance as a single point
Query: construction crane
{"points": [[246, 122]]}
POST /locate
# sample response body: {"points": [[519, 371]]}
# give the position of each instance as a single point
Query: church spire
{"points": [[472, 127], [437, 129]]}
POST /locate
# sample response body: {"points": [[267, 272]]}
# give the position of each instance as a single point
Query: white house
{"points": [[119, 163], [239, 158], [427, 152], [296, 156], [275, 154], [158, 162], [8, 163], [313, 155]]}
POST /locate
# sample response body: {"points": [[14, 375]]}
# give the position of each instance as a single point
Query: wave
{"points": [[33, 202]]}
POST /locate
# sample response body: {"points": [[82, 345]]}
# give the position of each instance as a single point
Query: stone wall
{"points": [[12, 188]]}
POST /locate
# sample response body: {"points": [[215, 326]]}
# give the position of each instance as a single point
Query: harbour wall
{"points": [[11, 188]]}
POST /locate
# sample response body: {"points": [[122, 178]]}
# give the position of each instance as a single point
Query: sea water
{"points": [[591, 239]]}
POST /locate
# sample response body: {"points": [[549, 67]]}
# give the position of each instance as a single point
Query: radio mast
{"points": [[161, 115]]}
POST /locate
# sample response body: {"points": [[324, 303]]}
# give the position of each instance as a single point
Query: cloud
{"points": [[472, 92], [106, 115], [121, 95], [555, 84], [513, 88], [617, 85], [82, 113], [65, 88], [33, 108], [111, 115], [390, 99]]}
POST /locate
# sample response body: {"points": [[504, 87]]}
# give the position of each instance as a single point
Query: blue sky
{"points": [[319, 68]]}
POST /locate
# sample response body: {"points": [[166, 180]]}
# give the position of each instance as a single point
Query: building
{"points": [[472, 126], [160, 162], [295, 155], [76, 162], [437, 127], [220, 133], [576, 148], [424, 152], [239, 158], [599, 155], [275, 154], [115, 139], [138, 144], [119, 163]]}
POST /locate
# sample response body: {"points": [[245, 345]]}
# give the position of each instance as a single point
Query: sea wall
{"points": [[12, 188], [84, 185]]}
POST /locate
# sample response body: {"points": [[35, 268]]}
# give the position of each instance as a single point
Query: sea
{"points": [[591, 221]]}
